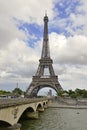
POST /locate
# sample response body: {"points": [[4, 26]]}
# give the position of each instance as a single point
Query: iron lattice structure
{"points": [[41, 80]]}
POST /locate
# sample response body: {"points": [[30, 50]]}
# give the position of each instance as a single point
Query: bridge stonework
{"points": [[11, 114]]}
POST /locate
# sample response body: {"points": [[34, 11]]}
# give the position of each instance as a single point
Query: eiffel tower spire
{"points": [[41, 80], [45, 49], [45, 61]]}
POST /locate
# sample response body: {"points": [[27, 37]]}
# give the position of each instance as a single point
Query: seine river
{"points": [[58, 119]]}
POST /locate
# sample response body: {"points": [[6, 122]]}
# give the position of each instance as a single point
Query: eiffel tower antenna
{"points": [[40, 80], [45, 12], [45, 49]]}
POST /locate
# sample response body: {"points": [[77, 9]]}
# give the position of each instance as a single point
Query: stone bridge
{"points": [[11, 110]]}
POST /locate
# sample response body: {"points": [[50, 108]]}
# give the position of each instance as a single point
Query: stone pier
{"points": [[15, 127], [33, 115], [40, 109], [45, 106]]}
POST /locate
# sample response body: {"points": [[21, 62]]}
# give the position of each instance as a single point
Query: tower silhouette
{"points": [[45, 75]]}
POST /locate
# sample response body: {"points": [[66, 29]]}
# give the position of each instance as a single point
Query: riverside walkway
{"points": [[56, 105], [68, 103]]}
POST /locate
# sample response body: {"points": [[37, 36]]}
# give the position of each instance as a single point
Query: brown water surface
{"points": [[58, 119]]}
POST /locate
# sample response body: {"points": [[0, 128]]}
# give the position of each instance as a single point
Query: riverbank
{"points": [[69, 103], [56, 105]]}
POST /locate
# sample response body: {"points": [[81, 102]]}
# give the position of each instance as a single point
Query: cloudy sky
{"points": [[21, 33]]}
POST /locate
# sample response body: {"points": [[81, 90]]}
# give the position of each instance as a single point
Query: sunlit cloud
{"points": [[21, 36]]}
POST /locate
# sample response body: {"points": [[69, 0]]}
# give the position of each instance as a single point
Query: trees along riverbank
{"points": [[17, 92], [77, 93]]}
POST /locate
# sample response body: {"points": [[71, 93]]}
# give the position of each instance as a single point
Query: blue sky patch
{"points": [[64, 9], [62, 19], [35, 32]]}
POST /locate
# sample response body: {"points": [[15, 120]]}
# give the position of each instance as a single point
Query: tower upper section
{"points": [[45, 48]]}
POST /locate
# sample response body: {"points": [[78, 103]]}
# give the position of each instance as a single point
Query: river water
{"points": [[58, 119]]}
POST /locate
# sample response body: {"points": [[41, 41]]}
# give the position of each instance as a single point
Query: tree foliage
{"points": [[77, 93], [17, 91], [3, 92]]}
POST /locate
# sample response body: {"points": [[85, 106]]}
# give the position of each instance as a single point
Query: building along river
{"points": [[58, 119]]}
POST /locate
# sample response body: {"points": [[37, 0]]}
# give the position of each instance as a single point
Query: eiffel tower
{"points": [[41, 80]]}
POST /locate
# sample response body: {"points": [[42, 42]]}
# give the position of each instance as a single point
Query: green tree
{"points": [[84, 95], [70, 92], [60, 93], [17, 91], [3, 92], [79, 92]]}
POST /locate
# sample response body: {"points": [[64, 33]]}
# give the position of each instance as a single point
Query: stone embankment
{"points": [[69, 103]]}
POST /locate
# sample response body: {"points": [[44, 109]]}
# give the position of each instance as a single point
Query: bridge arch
{"points": [[40, 105], [15, 113], [4, 123], [44, 103], [25, 112]]}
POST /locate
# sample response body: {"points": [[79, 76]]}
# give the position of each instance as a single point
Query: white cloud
{"points": [[75, 77], [79, 18], [74, 18], [71, 50], [70, 59], [18, 61], [27, 10], [23, 11]]}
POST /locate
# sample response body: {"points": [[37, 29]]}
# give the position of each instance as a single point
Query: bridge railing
{"points": [[13, 102]]}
